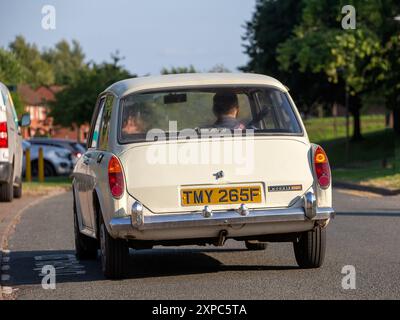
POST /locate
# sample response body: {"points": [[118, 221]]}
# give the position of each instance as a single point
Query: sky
{"points": [[149, 34]]}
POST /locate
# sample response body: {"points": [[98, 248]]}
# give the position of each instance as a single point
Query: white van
{"points": [[10, 147]]}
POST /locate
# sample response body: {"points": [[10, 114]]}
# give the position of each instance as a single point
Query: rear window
{"points": [[264, 110]]}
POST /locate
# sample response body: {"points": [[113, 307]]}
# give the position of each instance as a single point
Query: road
{"points": [[365, 235]]}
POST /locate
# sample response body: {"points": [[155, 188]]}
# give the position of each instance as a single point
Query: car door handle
{"points": [[100, 157]]}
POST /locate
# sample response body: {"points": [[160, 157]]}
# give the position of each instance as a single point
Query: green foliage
{"points": [[75, 104], [38, 72], [303, 44], [177, 70], [18, 105], [363, 58], [24, 63], [273, 23], [11, 71], [219, 68], [65, 60]]}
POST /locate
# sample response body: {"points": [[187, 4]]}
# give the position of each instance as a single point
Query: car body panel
{"points": [[125, 87], [273, 156]]}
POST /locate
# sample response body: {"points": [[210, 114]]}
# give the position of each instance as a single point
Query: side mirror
{"points": [[25, 120]]}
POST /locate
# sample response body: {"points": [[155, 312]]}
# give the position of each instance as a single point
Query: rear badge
{"points": [[296, 187]]}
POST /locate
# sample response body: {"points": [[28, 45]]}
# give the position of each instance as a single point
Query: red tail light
{"points": [[116, 178], [3, 135], [77, 154], [322, 168]]}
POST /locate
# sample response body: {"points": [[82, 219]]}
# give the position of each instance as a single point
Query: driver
{"points": [[226, 109]]}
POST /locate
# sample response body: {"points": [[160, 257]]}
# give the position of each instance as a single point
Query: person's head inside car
{"points": [[226, 109], [131, 123]]}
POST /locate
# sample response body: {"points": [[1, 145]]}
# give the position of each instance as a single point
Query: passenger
{"points": [[132, 123]]}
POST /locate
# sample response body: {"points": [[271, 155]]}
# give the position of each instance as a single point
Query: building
{"points": [[42, 125]]}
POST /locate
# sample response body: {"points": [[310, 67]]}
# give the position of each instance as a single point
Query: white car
{"points": [[10, 147], [198, 159]]}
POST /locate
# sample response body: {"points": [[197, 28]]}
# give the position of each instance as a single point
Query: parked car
{"points": [[10, 147], [57, 160], [75, 147], [136, 186]]}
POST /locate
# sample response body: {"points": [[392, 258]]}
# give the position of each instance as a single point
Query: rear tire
{"points": [[310, 248], [255, 246], [114, 253], [7, 189], [85, 247]]}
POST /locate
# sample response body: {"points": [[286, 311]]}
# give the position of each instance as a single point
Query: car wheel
{"points": [[310, 248], [114, 254], [255, 246], [85, 247], [7, 190], [49, 170], [18, 191]]}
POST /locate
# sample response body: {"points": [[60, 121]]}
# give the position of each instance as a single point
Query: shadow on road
{"points": [[142, 264], [370, 214]]}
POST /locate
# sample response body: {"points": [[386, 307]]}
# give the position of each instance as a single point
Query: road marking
{"points": [[6, 259], [8, 290], [55, 257], [5, 277], [6, 267], [65, 264]]}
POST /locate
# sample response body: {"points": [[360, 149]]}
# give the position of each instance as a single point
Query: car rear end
{"points": [[176, 164], [278, 187]]}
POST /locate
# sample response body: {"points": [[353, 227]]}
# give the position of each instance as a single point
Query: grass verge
{"points": [[51, 184], [371, 161]]}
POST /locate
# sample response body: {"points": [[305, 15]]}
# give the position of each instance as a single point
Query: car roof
{"points": [[129, 86]]}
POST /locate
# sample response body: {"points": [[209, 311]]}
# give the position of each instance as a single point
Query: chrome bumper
{"points": [[156, 222], [140, 222]]}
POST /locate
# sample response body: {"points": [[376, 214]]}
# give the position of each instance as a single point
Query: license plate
{"points": [[220, 196]]}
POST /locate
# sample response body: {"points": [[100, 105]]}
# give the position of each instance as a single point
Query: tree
{"points": [[11, 74], [74, 105], [273, 23], [390, 37], [391, 87], [38, 72], [66, 60], [176, 70], [11, 71], [219, 68], [352, 58]]}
